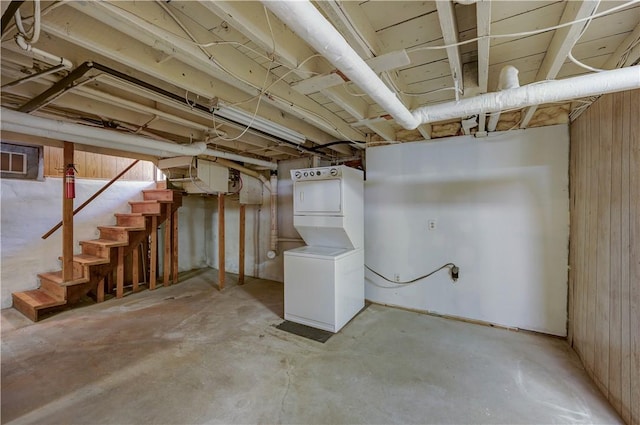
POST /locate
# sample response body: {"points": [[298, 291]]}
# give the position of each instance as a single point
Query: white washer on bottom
{"points": [[323, 287]]}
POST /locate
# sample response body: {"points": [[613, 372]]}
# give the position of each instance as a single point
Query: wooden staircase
{"points": [[94, 267]]}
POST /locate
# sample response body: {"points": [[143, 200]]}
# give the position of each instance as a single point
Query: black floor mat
{"points": [[305, 331]]}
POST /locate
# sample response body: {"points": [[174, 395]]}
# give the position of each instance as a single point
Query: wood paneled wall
{"points": [[604, 254], [96, 166]]}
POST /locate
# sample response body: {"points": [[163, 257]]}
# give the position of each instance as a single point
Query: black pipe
{"points": [[326, 145], [82, 69], [8, 14]]}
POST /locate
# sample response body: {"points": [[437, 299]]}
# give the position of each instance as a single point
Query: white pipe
{"points": [[535, 94], [20, 122], [41, 54], [508, 80], [273, 204], [308, 23]]}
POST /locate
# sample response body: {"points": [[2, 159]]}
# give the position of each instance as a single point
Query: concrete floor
{"points": [[190, 354]]}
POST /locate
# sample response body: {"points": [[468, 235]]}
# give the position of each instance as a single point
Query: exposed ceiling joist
{"points": [[449, 26], [250, 19], [561, 44], [382, 128], [228, 65], [627, 53], [483, 20]]}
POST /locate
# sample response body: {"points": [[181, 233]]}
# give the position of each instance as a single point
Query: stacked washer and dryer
{"points": [[324, 281]]}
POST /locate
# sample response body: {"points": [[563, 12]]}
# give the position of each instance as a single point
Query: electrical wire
{"points": [[454, 269], [526, 33]]}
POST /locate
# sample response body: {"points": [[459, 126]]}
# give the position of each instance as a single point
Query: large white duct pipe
{"points": [[273, 241], [22, 123], [308, 23], [535, 94], [508, 80]]}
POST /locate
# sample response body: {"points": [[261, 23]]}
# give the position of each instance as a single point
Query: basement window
{"points": [[20, 161]]}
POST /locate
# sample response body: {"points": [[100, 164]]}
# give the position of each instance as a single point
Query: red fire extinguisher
{"points": [[70, 181]]}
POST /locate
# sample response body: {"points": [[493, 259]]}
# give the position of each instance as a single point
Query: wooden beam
{"points": [[174, 252], [135, 268], [561, 44], [120, 273], [166, 274], [230, 65], [100, 290], [483, 19], [67, 220], [616, 56], [383, 129], [221, 244], [241, 244], [153, 253], [449, 27]]}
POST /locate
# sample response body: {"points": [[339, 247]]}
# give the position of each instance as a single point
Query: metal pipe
{"points": [[37, 75], [535, 94], [508, 80], [308, 23], [41, 54]]}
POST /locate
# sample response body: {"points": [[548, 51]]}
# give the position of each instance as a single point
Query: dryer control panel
{"points": [[320, 173]]}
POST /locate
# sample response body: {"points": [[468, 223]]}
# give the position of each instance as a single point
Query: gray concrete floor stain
{"points": [[189, 354]]}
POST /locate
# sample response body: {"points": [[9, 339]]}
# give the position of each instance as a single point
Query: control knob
{"points": [[334, 172], [298, 174]]}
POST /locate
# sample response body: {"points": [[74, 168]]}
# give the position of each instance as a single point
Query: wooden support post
{"points": [[166, 274], [174, 253], [120, 273], [221, 241], [135, 268], [67, 220], [153, 253], [241, 243], [100, 291]]}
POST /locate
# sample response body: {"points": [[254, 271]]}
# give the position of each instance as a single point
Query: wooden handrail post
{"points": [[67, 220], [94, 196]]}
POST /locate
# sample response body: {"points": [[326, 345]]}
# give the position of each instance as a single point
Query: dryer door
{"points": [[317, 197]]}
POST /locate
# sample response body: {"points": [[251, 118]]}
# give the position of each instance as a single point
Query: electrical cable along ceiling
{"points": [[247, 79]]}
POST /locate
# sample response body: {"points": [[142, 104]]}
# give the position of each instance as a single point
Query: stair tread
{"points": [[149, 201], [158, 190], [57, 278], [105, 242], [89, 260], [128, 214], [128, 228], [37, 298]]}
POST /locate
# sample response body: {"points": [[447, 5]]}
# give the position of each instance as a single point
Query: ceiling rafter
{"points": [[120, 49], [228, 65], [449, 26], [561, 44], [352, 23], [483, 20], [249, 18]]}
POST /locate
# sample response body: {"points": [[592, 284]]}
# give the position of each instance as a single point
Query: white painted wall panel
{"points": [[501, 210]]}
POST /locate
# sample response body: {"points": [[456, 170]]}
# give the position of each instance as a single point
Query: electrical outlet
{"points": [[396, 277], [431, 224]]}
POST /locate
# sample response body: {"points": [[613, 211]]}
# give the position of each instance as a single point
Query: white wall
{"points": [[501, 209]]}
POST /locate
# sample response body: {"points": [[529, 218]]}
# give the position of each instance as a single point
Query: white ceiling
{"points": [[216, 53]]}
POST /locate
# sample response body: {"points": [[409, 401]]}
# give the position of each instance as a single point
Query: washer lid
{"points": [[318, 251]]}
